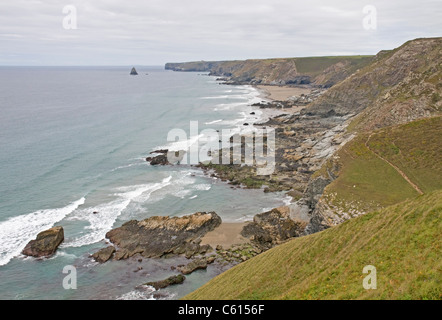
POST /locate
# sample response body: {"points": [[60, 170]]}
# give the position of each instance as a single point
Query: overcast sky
{"points": [[153, 32]]}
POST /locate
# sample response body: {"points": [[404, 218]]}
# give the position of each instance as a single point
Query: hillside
{"points": [[399, 86], [318, 71], [401, 241], [374, 168], [371, 172]]}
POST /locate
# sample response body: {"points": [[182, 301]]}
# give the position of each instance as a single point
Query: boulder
{"points": [[159, 236], [45, 244], [178, 279], [104, 254]]}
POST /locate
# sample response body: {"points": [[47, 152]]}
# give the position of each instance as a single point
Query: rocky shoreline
{"points": [[304, 141]]}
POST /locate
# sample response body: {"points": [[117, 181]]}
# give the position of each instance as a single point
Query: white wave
{"points": [[61, 253], [230, 106], [146, 294], [181, 145], [128, 166], [215, 97], [16, 232], [182, 193], [202, 187], [107, 213], [215, 121], [194, 197], [245, 218], [287, 200], [233, 96]]}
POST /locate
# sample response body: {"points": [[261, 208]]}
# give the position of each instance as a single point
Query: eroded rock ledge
{"points": [[161, 236]]}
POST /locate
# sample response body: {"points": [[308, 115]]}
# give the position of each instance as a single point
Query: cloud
{"points": [[117, 32]]}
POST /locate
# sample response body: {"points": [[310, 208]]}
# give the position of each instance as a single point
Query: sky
{"points": [[153, 32]]}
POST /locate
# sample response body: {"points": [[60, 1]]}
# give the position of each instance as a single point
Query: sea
{"points": [[73, 143]]}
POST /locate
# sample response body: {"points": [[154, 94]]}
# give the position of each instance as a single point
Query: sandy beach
{"points": [[282, 93], [226, 235]]}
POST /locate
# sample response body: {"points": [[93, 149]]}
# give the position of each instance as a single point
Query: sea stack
{"points": [[133, 72], [45, 244]]}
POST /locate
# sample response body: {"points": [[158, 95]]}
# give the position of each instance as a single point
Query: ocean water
{"points": [[73, 142]]}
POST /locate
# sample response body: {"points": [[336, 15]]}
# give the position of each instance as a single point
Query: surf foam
{"points": [[16, 232]]}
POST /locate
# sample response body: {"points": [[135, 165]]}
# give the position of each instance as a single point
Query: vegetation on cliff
{"points": [[401, 241]]}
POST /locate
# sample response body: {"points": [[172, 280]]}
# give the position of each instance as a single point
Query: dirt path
{"points": [[415, 187]]}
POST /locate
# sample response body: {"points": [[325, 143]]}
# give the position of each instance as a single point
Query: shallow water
{"points": [[73, 142]]}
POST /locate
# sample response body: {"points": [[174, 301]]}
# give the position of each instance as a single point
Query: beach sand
{"points": [[282, 93], [226, 235]]}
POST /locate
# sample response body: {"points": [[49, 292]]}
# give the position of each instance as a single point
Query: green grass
{"points": [[365, 182], [403, 242], [315, 65], [416, 149]]}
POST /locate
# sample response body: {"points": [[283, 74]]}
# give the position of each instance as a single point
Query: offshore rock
{"points": [[133, 72], [45, 244], [159, 236]]}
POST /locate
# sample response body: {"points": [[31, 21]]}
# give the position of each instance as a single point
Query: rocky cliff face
{"points": [[317, 71], [400, 86], [401, 82]]}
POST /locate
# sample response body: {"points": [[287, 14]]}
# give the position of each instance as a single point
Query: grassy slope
{"points": [[315, 65], [402, 241], [367, 183], [416, 149]]}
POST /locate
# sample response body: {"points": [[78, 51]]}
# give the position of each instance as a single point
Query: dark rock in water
{"points": [[273, 227], [158, 160], [104, 254], [252, 113], [133, 72], [196, 264], [246, 124], [163, 236], [45, 244], [166, 157], [178, 279]]}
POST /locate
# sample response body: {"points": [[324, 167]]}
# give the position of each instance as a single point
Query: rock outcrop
{"points": [[45, 244], [104, 254], [160, 236], [165, 157], [273, 227], [196, 264], [178, 279]]}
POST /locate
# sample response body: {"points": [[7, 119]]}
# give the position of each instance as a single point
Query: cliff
{"points": [[399, 86], [317, 71]]}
